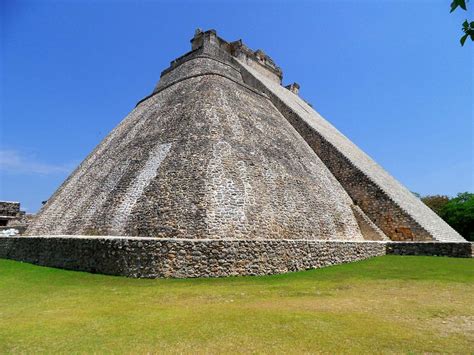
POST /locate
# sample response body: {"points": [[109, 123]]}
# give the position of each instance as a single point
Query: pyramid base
{"points": [[187, 258]]}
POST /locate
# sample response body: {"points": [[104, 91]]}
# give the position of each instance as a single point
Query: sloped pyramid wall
{"points": [[390, 205], [205, 157], [221, 150], [222, 171]]}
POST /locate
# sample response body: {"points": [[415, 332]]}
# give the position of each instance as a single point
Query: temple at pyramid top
{"points": [[221, 150]]}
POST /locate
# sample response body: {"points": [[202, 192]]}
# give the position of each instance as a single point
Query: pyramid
{"points": [[220, 150]]}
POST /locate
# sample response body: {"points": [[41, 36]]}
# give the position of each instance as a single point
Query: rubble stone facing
{"points": [[372, 200], [9, 209], [12, 217], [223, 171], [391, 206], [235, 168], [185, 258], [459, 250], [152, 258], [198, 65]]}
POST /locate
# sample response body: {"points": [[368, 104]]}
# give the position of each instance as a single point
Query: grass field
{"points": [[386, 304]]}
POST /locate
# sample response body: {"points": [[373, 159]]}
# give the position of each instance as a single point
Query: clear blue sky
{"points": [[390, 75]]}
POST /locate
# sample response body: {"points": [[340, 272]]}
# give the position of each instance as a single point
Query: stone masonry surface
{"points": [[234, 167], [185, 258], [391, 206], [223, 171], [240, 162], [12, 217], [9, 209]]}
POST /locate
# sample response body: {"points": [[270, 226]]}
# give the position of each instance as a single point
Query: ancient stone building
{"points": [[12, 217], [220, 160]]}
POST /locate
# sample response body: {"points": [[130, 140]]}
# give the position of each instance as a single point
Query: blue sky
{"points": [[390, 75]]}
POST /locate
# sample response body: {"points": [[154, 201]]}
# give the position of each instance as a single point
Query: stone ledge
{"points": [[209, 73], [185, 258]]}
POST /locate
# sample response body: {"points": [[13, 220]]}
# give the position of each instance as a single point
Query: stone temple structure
{"points": [[12, 217], [224, 171]]}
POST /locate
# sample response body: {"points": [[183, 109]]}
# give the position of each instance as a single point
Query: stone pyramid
{"points": [[222, 150]]}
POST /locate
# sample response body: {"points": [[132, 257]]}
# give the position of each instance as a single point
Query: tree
{"points": [[467, 27], [459, 214], [435, 202]]}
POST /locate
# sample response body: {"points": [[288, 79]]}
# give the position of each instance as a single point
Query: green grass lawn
{"points": [[386, 304]]}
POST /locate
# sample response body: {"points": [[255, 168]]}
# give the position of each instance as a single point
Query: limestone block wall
{"points": [[369, 230], [394, 209], [185, 258], [181, 258], [198, 65], [459, 250], [209, 42], [204, 157], [10, 209], [387, 215], [221, 150]]}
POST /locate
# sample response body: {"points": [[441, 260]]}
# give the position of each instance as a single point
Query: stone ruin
{"points": [[224, 171], [12, 219]]}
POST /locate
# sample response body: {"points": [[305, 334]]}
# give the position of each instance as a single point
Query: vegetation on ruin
{"points": [[388, 304]]}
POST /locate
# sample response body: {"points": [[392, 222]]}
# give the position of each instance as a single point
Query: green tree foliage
{"points": [[435, 202], [459, 214], [467, 27]]}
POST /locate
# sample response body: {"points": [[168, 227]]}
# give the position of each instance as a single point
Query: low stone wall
{"points": [[151, 258], [458, 250], [182, 258]]}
